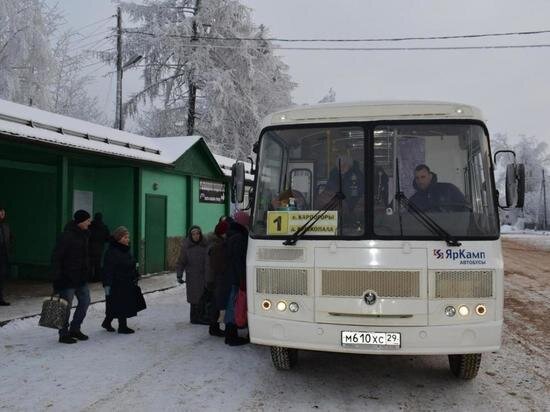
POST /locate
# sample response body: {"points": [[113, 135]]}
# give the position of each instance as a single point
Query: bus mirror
{"points": [[515, 181], [520, 176], [511, 185], [515, 185], [237, 182]]}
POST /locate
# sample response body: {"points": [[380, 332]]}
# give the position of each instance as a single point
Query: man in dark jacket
{"points": [[70, 261], [432, 196], [5, 246], [99, 235]]}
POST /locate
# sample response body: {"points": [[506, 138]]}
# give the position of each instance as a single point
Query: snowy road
{"points": [[172, 365]]}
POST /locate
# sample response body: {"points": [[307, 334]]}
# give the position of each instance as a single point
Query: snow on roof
{"points": [[226, 163], [35, 124]]}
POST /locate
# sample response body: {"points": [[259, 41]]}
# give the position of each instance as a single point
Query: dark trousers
{"points": [[4, 268], [83, 297], [95, 268], [122, 322]]}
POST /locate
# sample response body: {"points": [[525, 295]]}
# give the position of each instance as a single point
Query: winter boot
{"points": [[123, 327], [77, 334], [107, 325], [66, 339], [232, 337], [215, 330]]}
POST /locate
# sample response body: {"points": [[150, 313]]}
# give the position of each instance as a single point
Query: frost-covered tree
{"points": [[26, 57], [330, 97], [238, 81], [68, 86], [37, 69]]}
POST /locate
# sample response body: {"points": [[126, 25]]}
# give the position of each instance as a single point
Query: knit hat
{"points": [[221, 228], [80, 216], [242, 218], [119, 233]]}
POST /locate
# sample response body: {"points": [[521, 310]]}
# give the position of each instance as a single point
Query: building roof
{"points": [[33, 124], [371, 111]]}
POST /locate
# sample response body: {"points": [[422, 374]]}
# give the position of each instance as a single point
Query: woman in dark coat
{"points": [[193, 260], [237, 244], [119, 280], [216, 267]]}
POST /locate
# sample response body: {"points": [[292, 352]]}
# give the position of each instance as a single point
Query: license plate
{"points": [[388, 339]]}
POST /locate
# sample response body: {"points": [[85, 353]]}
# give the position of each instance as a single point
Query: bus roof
{"points": [[372, 111]]}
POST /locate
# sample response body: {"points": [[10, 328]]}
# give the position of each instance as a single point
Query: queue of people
{"points": [[215, 268]]}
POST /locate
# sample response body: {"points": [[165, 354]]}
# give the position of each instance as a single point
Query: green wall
{"points": [[205, 215], [113, 193], [29, 197], [172, 186]]}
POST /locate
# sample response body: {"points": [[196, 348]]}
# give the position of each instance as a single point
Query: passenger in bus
{"points": [[434, 196], [192, 260], [289, 199], [353, 188]]}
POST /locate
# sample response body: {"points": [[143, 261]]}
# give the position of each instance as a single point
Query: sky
{"points": [[510, 86]]}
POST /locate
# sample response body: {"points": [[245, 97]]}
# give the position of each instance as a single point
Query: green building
{"points": [[52, 165]]}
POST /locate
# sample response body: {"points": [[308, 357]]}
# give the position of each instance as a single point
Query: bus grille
{"points": [[281, 281], [353, 283], [280, 254], [463, 283]]}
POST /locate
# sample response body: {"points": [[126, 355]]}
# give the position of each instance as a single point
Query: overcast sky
{"points": [[510, 86]]}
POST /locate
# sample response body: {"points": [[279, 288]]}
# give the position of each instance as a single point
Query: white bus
{"points": [[374, 230]]}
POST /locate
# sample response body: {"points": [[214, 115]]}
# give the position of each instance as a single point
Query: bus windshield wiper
{"points": [[426, 220], [419, 214], [335, 200]]}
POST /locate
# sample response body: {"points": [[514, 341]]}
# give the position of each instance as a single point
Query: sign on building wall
{"points": [[211, 192]]}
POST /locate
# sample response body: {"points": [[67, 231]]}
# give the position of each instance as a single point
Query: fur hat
{"points": [[221, 228], [80, 216], [242, 218], [120, 232]]}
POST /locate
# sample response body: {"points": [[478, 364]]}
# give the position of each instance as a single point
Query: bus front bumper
{"points": [[415, 340]]}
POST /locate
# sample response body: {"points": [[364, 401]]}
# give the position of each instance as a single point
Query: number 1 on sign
{"points": [[277, 223]]}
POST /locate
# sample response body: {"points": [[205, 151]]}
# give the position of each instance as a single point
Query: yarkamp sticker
{"points": [[465, 257]]}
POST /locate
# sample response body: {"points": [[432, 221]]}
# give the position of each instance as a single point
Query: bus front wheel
{"points": [[465, 366], [284, 358]]}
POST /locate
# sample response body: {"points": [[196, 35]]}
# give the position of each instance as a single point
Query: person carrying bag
{"points": [[123, 296]]}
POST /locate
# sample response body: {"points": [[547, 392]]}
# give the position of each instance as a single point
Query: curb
{"points": [[5, 322]]}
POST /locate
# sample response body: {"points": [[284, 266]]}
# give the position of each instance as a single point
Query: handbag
{"points": [[55, 312], [140, 300], [241, 317]]}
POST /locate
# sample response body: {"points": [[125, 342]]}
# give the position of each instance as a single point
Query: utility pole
{"points": [[544, 221], [192, 85], [118, 109]]}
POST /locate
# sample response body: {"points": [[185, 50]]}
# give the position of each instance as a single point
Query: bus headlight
{"points": [[463, 310], [281, 306], [266, 304], [481, 310], [293, 307], [450, 311]]}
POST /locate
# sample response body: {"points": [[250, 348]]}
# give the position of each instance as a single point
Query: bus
{"points": [[375, 230]]}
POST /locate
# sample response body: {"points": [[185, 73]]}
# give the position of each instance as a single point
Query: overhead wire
{"points": [[380, 39]]}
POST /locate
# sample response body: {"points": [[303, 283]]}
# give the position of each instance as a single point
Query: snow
{"points": [[170, 148], [169, 364]]}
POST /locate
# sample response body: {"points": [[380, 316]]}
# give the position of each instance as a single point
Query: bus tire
{"points": [[465, 366], [284, 358]]}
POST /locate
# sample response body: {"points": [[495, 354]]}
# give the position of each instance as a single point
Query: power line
{"points": [[380, 39], [522, 46]]}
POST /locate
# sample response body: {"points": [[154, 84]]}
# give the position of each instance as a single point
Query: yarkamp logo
{"points": [[464, 256]]}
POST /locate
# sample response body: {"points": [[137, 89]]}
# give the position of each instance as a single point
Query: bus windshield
{"points": [[379, 171]]}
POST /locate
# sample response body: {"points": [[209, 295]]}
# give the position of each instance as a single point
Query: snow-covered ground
{"points": [[172, 365]]}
